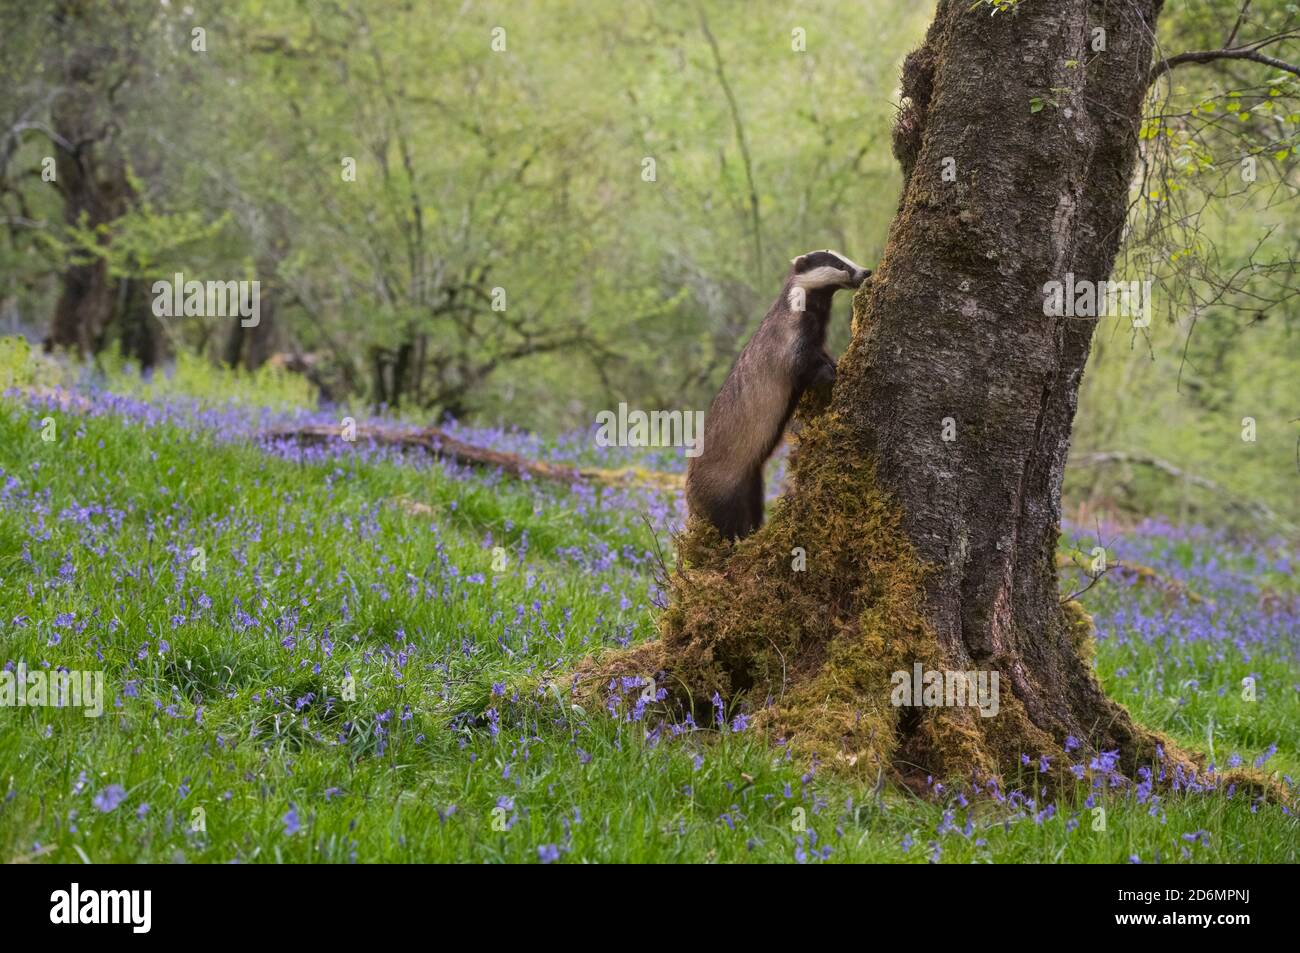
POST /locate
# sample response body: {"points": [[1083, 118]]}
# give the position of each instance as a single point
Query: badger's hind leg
{"points": [[730, 514], [740, 512]]}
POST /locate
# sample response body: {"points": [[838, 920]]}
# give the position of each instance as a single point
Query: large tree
{"points": [[923, 514]]}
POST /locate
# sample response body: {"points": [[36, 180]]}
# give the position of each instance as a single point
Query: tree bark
{"points": [[920, 548], [956, 327]]}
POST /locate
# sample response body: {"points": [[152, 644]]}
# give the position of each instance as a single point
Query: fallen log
{"points": [[1227, 498], [443, 446]]}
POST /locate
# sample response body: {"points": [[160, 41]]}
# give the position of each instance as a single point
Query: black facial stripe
{"points": [[821, 259]]}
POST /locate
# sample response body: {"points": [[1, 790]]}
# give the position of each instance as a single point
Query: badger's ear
{"points": [[799, 262]]}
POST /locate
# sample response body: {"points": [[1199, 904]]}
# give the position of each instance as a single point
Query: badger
{"points": [[785, 357]]}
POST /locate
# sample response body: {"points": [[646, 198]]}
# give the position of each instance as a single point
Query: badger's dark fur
{"points": [[785, 357]]}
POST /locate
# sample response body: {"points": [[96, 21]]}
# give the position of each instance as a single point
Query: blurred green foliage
{"points": [[630, 181]]}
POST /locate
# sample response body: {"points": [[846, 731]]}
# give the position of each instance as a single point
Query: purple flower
{"points": [[109, 798], [1105, 762], [548, 853], [290, 821]]}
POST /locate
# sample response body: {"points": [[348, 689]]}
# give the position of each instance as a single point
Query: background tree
{"points": [[475, 169]]}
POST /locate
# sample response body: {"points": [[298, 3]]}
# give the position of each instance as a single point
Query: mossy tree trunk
{"points": [[918, 548]]}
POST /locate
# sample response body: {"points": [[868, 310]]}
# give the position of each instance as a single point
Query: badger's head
{"points": [[824, 271]]}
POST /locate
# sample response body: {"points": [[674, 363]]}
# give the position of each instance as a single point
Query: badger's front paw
{"points": [[824, 379], [817, 396]]}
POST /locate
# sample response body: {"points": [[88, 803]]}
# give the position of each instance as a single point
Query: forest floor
{"points": [[314, 653]]}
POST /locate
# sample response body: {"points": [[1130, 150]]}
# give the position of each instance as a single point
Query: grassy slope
{"points": [[340, 579]]}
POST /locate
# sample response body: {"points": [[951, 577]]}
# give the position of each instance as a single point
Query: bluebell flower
{"points": [[109, 798]]}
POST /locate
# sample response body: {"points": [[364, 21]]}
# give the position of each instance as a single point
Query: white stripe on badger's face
{"points": [[826, 276], [821, 277]]}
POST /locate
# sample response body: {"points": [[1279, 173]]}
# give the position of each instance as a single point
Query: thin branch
{"points": [[740, 137], [1249, 52], [1227, 42], [1096, 578]]}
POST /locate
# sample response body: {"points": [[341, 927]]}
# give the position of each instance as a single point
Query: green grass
{"points": [[345, 579]]}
